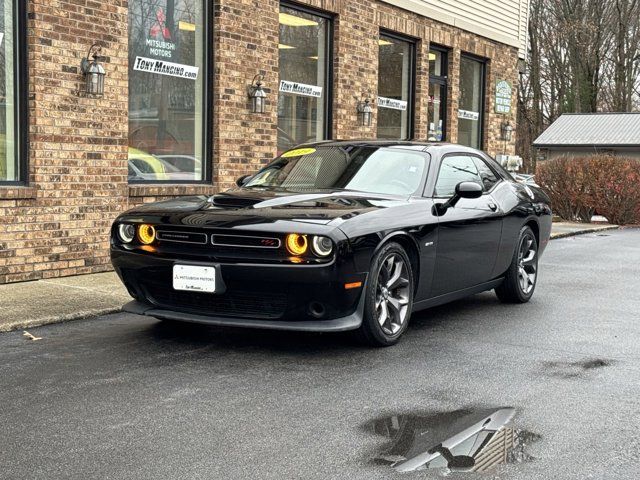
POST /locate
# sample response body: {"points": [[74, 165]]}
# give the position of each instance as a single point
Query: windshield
{"points": [[367, 169]]}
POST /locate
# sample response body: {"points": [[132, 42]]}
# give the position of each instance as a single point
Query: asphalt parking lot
{"points": [[123, 396]]}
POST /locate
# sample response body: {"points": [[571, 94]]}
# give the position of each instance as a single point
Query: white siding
{"points": [[502, 20]]}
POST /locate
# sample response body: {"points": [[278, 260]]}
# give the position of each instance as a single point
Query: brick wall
{"points": [[59, 224], [77, 145]]}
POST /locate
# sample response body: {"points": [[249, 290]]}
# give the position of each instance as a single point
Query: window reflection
{"points": [[395, 66], [166, 85], [304, 66], [470, 114], [437, 95], [9, 170]]}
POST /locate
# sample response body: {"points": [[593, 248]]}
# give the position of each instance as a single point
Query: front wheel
{"points": [[389, 297], [520, 279]]}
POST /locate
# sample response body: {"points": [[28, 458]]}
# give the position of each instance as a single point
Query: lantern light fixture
{"points": [[93, 71], [507, 132], [365, 112], [257, 95]]}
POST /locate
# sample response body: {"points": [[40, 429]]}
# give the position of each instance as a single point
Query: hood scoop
{"points": [[232, 201]]}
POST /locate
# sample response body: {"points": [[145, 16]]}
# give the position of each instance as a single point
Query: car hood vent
{"points": [[233, 201]]}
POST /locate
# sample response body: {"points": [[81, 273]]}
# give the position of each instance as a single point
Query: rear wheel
{"points": [[520, 279], [389, 297]]}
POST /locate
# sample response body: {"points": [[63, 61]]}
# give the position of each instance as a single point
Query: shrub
{"points": [[580, 187]]}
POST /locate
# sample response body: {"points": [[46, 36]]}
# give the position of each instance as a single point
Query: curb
{"points": [[582, 232], [38, 322]]}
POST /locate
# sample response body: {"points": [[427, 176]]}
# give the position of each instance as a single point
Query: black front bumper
{"points": [[283, 297], [343, 324]]}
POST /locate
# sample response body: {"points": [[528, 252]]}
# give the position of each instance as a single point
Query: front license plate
{"points": [[193, 278]]}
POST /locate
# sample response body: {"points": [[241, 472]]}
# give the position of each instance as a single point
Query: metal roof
{"points": [[592, 130]]}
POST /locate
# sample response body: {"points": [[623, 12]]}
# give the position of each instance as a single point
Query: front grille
{"points": [[230, 304], [182, 237], [246, 241]]}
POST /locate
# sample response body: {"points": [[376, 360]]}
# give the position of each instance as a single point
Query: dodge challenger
{"points": [[336, 236]]}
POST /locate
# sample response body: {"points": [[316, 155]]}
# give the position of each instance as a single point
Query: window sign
{"points": [[392, 103], [303, 100], [437, 104], [395, 87], [471, 103], [10, 139], [167, 55], [503, 97], [301, 89]]}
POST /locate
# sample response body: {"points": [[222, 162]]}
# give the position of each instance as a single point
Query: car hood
{"points": [[244, 207]]}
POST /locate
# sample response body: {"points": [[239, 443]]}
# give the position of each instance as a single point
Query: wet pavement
{"points": [[128, 397]]}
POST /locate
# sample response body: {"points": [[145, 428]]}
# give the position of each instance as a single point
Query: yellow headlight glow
{"points": [[297, 244], [146, 234]]}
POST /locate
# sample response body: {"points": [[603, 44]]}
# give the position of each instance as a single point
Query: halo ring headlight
{"points": [[146, 234], [297, 244], [126, 232], [322, 246]]}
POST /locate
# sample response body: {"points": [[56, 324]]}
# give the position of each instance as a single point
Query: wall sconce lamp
{"points": [[257, 95], [365, 112], [93, 72], [506, 131]]}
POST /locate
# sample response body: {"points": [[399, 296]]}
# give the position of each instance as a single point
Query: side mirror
{"points": [[242, 181], [463, 190]]}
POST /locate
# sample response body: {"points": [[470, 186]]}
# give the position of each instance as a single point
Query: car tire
{"points": [[521, 277], [389, 297]]}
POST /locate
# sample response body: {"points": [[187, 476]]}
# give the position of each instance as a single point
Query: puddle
{"points": [[457, 441], [576, 369]]}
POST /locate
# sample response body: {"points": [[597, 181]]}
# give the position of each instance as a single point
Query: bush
{"points": [[581, 187]]}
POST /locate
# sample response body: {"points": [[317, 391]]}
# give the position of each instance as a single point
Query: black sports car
{"points": [[336, 236]]}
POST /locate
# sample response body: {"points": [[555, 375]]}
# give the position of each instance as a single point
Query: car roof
{"points": [[435, 147]]}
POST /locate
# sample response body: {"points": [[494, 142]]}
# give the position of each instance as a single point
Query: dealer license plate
{"points": [[193, 278]]}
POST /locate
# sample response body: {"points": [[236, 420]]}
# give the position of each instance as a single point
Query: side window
{"points": [[487, 176], [453, 170]]}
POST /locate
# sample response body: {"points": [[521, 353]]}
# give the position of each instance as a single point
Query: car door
{"points": [[468, 233]]}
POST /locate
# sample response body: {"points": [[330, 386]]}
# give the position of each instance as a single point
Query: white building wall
{"points": [[504, 21]]}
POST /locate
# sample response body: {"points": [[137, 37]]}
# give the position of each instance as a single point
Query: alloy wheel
{"points": [[392, 294], [527, 264]]}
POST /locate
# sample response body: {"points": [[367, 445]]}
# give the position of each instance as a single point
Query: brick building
{"points": [[176, 118]]}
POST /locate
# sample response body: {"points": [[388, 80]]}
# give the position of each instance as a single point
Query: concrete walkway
{"points": [[30, 304]]}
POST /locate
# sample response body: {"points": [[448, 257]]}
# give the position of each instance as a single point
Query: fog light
{"points": [[297, 244], [146, 234], [126, 232], [322, 246]]}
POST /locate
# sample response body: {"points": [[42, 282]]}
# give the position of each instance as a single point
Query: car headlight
{"points": [[322, 246], [126, 232], [146, 234], [297, 244]]}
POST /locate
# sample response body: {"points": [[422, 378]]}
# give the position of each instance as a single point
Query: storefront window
{"points": [[395, 87], [10, 170], [305, 55], [437, 95], [167, 79], [470, 114]]}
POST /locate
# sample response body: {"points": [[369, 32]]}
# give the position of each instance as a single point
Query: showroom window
{"points": [[471, 103], [13, 91], [167, 91], [437, 110], [305, 69], [396, 60]]}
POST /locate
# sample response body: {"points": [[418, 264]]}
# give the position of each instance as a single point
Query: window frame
{"points": [[329, 77], [465, 154], [208, 105], [413, 75], [21, 94], [483, 92], [443, 81]]}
